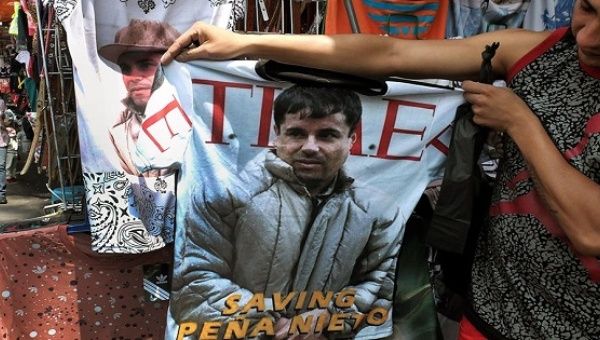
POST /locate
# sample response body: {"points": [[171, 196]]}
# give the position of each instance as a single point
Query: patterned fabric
{"points": [[398, 18], [528, 283], [64, 8], [129, 216], [53, 287]]}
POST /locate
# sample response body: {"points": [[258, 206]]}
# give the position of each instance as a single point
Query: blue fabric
{"points": [[3, 172], [464, 18]]}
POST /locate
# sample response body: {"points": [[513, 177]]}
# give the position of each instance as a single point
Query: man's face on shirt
{"points": [[315, 147], [138, 70]]}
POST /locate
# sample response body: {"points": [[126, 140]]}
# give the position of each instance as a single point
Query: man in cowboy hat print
{"points": [[137, 49]]}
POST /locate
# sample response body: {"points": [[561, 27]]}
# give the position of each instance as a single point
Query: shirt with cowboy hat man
{"points": [[137, 49]]}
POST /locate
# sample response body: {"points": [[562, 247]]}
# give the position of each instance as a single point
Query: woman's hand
{"points": [[497, 108], [204, 41]]}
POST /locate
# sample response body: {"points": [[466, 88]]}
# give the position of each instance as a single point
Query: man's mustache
{"points": [[138, 87], [314, 160]]}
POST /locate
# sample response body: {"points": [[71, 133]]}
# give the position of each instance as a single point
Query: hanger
{"points": [[275, 71], [452, 85]]}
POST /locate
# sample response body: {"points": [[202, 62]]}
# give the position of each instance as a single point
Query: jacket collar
{"points": [[131, 110], [280, 169]]}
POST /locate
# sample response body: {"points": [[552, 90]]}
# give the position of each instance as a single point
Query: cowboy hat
{"points": [[140, 35]]}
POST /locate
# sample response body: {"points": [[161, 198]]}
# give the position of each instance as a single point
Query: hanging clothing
{"points": [[305, 245], [503, 14], [464, 18], [128, 213], [11, 154], [31, 24], [3, 149], [23, 38], [53, 286], [400, 18], [223, 227], [31, 88], [548, 14], [13, 28]]}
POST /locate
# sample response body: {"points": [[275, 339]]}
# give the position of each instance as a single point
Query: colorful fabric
{"points": [[52, 286], [397, 18], [13, 28], [526, 273]]}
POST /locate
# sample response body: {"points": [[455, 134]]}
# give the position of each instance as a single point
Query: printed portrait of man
{"points": [[136, 49], [294, 221]]}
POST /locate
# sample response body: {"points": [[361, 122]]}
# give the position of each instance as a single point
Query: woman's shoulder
{"points": [[514, 45]]}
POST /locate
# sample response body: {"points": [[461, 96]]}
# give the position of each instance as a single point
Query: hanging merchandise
{"points": [[23, 38], [4, 85], [31, 24], [38, 123], [279, 16], [131, 210], [14, 23], [471, 17], [461, 208], [31, 90], [399, 18], [247, 228], [250, 229], [503, 14], [54, 287], [464, 18], [548, 14]]}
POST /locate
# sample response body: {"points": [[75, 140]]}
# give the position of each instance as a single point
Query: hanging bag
{"points": [[462, 207]]}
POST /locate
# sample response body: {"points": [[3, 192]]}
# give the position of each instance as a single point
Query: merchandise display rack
{"points": [[61, 127]]}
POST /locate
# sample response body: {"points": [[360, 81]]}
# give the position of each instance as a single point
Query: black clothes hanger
{"points": [[276, 71]]}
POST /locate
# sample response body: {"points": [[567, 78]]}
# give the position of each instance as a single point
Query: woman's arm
{"points": [[366, 55], [571, 197]]}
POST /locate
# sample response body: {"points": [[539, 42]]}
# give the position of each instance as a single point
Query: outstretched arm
{"points": [[367, 55]]}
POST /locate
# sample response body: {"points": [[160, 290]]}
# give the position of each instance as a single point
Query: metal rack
{"points": [[61, 117], [281, 16]]}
